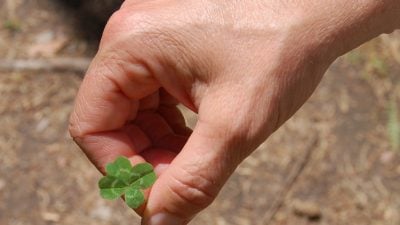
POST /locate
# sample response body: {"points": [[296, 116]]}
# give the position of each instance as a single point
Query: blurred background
{"points": [[337, 161]]}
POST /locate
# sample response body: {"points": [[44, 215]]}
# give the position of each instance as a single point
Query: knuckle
{"points": [[193, 190], [112, 63], [73, 127], [149, 29], [171, 42], [75, 133], [127, 22], [113, 26]]}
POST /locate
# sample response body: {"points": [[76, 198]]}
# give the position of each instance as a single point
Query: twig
{"points": [[291, 180], [78, 65]]}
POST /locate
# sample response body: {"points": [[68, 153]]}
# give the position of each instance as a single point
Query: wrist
{"points": [[367, 20], [340, 26]]}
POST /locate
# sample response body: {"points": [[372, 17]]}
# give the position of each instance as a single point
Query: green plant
{"points": [[123, 179], [12, 25], [394, 125], [354, 57]]}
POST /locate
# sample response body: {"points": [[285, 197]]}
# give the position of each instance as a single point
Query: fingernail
{"points": [[164, 219]]}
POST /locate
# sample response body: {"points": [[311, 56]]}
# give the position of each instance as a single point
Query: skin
{"points": [[244, 66]]}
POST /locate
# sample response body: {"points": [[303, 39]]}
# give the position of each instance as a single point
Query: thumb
{"points": [[196, 175], [191, 182]]}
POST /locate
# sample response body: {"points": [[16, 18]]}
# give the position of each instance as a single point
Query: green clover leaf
{"points": [[123, 179], [134, 198]]}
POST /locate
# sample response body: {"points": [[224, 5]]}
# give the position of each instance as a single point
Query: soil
{"points": [[332, 163]]}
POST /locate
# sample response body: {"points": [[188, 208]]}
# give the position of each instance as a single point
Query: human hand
{"points": [[244, 66]]}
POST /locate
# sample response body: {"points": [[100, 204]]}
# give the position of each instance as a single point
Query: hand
{"points": [[244, 66]]}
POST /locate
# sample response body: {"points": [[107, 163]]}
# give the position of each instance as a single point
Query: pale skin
{"points": [[244, 66]]}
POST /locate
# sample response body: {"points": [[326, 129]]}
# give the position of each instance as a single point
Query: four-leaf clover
{"points": [[123, 179]]}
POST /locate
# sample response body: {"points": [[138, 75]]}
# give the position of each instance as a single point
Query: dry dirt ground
{"points": [[333, 163]]}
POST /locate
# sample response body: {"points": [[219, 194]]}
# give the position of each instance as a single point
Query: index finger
{"points": [[108, 97]]}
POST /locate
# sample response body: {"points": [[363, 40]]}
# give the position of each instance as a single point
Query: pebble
{"points": [[44, 37], [42, 125], [387, 157], [308, 209], [102, 213], [50, 216]]}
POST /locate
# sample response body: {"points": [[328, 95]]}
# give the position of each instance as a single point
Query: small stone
{"points": [[42, 125], [390, 214], [280, 216], [307, 209], [102, 213], [221, 221], [387, 157], [44, 37], [50, 216]]}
